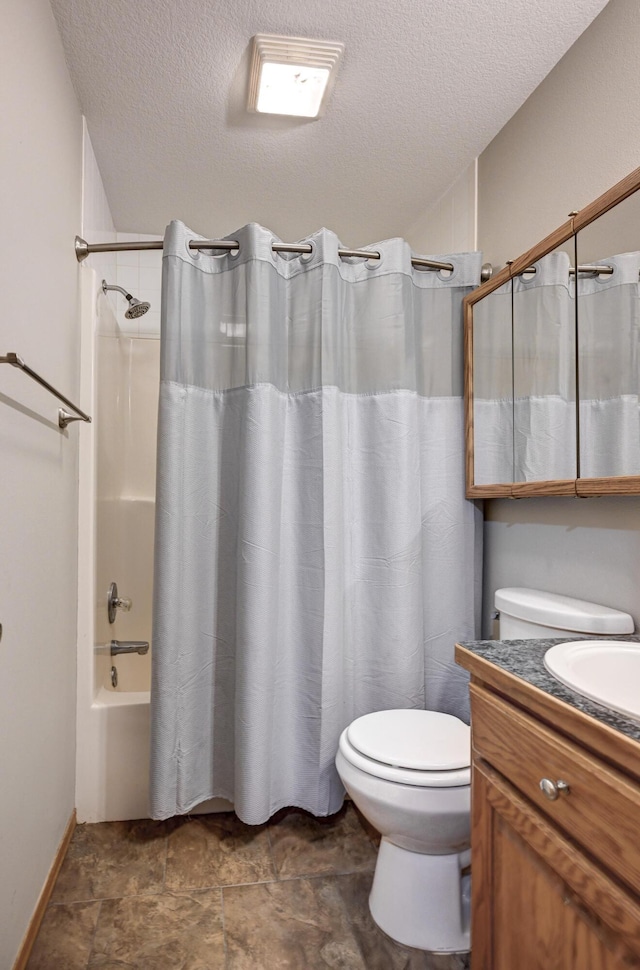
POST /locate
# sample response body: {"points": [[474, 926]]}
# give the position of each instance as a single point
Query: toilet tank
{"points": [[527, 614]]}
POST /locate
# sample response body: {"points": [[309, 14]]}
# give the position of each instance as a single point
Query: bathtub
{"points": [[113, 720], [120, 375]]}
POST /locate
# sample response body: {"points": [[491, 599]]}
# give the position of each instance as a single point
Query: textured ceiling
{"points": [[423, 87]]}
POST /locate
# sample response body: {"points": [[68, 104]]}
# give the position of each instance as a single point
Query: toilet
{"points": [[409, 773]]}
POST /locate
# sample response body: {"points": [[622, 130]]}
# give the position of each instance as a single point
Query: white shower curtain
{"points": [[493, 387], [609, 361], [315, 556], [525, 377], [544, 372]]}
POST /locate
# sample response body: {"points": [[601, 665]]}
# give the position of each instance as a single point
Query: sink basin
{"points": [[606, 671]]}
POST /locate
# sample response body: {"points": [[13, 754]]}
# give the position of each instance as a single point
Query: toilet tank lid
{"points": [[422, 740], [561, 612]]}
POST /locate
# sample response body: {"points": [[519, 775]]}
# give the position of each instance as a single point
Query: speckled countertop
{"points": [[524, 659]]}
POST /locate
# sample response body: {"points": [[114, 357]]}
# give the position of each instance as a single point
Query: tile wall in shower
{"points": [[140, 273]]}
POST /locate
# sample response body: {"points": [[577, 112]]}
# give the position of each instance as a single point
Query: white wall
{"points": [[573, 138], [449, 226], [576, 135], [40, 184]]}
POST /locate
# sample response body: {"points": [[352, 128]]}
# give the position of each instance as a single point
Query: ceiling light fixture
{"points": [[291, 75]]}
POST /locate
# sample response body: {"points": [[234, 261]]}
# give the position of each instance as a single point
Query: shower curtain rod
{"points": [[84, 249], [601, 269]]}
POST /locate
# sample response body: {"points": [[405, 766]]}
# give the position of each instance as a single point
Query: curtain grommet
{"points": [[307, 257], [446, 275], [193, 253], [606, 277], [529, 277]]}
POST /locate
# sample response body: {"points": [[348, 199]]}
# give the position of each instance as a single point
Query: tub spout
{"points": [[129, 646]]}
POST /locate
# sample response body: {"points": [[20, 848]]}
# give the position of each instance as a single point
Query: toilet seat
{"points": [[421, 740], [425, 749]]}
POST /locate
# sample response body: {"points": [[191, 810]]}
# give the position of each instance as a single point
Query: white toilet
{"points": [[409, 774]]}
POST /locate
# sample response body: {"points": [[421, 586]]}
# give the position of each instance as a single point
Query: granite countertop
{"points": [[524, 659]]}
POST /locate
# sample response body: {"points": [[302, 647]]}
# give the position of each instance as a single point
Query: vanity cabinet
{"points": [[542, 900], [555, 881]]}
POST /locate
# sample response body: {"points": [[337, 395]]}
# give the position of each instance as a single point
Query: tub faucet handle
{"points": [[115, 602]]}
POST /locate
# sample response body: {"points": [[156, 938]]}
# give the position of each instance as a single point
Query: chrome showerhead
{"points": [[136, 307]]}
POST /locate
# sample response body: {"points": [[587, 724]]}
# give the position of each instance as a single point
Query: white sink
{"points": [[607, 671]]}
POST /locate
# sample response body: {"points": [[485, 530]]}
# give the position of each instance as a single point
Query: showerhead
{"points": [[136, 307]]}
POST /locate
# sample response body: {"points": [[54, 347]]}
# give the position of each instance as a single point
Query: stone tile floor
{"points": [[207, 892]]}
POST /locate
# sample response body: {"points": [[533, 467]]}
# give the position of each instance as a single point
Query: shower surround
{"points": [[116, 527], [117, 468]]}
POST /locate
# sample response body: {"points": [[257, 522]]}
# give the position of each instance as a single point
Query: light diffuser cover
{"points": [[291, 75]]}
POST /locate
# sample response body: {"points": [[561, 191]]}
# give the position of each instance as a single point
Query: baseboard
{"points": [[34, 925]]}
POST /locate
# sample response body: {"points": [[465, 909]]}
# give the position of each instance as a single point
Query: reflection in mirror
{"points": [[493, 388], [609, 343], [544, 372]]}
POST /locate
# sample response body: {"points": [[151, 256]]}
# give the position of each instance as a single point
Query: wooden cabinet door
{"points": [[538, 902], [523, 750]]}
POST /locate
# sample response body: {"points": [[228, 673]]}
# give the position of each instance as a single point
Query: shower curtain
{"points": [[315, 556], [544, 372], [609, 362], [493, 387], [525, 377]]}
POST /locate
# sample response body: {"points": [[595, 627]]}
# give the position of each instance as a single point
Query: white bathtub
{"points": [[120, 376], [113, 723], [113, 751]]}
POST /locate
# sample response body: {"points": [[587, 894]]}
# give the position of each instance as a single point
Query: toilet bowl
{"points": [[408, 772]]}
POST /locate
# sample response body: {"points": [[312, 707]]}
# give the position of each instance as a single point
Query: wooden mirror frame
{"points": [[622, 485]]}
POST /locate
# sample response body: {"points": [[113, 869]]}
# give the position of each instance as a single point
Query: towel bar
{"points": [[64, 418]]}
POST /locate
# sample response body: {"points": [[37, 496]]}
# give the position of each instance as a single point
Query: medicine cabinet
{"points": [[552, 360]]}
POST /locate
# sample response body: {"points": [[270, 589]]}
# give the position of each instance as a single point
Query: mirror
{"points": [[493, 388], [552, 361], [609, 343], [544, 368]]}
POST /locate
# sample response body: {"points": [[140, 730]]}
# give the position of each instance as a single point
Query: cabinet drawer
{"points": [[600, 810]]}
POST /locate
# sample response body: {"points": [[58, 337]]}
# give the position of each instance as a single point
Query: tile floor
{"points": [[207, 892]]}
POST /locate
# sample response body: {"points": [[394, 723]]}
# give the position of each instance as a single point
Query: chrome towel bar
{"points": [[64, 418]]}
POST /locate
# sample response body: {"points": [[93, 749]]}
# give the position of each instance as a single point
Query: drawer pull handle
{"points": [[553, 789]]}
